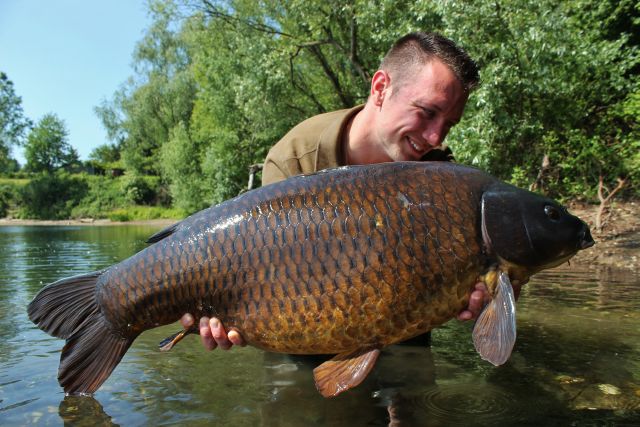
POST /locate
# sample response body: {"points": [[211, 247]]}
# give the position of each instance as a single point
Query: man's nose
{"points": [[434, 134]]}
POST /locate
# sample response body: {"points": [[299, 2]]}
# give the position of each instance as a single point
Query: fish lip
{"points": [[586, 240], [584, 244]]}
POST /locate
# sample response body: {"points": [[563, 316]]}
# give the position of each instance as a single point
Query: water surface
{"points": [[576, 361]]}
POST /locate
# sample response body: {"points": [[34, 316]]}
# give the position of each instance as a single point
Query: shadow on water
{"points": [[576, 360]]}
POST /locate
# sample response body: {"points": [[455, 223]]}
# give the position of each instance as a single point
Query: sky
{"points": [[67, 56]]}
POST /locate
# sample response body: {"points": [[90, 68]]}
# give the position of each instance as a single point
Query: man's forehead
{"points": [[436, 86]]}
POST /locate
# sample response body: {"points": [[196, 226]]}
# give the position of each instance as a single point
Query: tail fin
{"points": [[68, 309]]}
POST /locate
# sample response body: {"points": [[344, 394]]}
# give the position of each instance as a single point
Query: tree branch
{"points": [[217, 12], [604, 200]]}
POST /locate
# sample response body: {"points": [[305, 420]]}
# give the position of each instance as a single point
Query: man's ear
{"points": [[380, 87]]}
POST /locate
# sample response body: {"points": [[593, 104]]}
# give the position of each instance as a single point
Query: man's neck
{"points": [[358, 143]]}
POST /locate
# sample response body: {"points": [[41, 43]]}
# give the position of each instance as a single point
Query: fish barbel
{"points": [[345, 261]]}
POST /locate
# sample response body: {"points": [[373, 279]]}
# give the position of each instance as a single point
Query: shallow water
{"points": [[576, 361]]}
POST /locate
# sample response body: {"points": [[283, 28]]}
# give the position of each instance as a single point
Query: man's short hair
{"points": [[417, 49]]}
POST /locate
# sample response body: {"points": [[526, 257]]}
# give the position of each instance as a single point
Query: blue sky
{"points": [[66, 56]]}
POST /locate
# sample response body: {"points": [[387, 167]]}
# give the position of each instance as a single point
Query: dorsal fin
{"points": [[163, 233]]}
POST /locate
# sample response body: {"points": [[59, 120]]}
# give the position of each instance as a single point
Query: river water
{"points": [[576, 361]]}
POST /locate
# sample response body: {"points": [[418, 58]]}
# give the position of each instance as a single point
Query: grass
{"points": [[143, 213]]}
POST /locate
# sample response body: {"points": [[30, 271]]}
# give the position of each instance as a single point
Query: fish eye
{"points": [[552, 212]]}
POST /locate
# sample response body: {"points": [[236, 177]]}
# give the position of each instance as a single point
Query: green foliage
{"points": [[105, 157], [104, 194], [141, 190], [47, 148], [13, 123], [554, 77], [51, 196], [181, 165]]}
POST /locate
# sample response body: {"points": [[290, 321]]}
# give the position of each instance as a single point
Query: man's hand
{"points": [[213, 334], [480, 297]]}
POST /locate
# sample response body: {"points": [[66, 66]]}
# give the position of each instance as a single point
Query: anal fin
{"points": [[344, 371]]}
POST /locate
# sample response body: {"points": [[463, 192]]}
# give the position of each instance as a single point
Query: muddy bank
{"points": [[618, 243]]}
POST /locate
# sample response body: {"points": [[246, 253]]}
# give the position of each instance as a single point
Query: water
{"points": [[576, 361]]}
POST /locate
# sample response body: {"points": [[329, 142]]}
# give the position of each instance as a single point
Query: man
{"points": [[416, 97]]}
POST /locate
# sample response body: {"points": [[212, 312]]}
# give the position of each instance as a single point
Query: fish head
{"points": [[530, 230]]}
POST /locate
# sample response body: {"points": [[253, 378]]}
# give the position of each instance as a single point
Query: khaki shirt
{"points": [[315, 144]]}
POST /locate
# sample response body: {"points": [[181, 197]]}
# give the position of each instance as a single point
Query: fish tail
{"points": [[68, 309]]}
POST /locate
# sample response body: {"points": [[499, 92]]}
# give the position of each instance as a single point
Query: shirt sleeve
{"points": [[271, 172]]}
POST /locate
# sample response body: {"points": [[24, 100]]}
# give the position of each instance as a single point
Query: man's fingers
{"points": [[235, 338], [187, 321], [205, 334], [476, 302], [465, 315], [219, 334]]}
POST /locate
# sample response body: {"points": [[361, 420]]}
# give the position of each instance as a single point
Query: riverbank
{"points": [[617, 244], [8, 222]]}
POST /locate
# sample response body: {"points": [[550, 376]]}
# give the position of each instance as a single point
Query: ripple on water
{"points": [[469, 404]]}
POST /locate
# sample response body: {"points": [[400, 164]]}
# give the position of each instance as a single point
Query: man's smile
{"points": [[417, 148]]}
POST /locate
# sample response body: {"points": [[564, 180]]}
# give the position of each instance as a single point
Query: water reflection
{"points": [[83, 411], [577, 357]]}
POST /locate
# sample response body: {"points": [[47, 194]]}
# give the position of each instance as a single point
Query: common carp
{"points": [[344, 261]]}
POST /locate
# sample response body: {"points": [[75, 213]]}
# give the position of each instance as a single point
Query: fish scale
{"points": [[335, 262]]}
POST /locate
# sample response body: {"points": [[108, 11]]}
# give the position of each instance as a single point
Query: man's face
{"points": [[417, 116]]}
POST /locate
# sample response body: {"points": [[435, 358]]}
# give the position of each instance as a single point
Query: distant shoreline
{"points": [[9, 222]]}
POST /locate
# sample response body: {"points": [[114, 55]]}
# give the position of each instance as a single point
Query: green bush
{"points": [[7, 196], [104, 195], [143, 190], [51, 196]]}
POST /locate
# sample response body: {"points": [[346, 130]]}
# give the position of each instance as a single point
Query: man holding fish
{"points": [[343, 262], [416, 97]]}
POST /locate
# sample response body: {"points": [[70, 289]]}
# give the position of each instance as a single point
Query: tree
{"points": [[47, 149], [13, 123], [143, 113], [105, 153]]}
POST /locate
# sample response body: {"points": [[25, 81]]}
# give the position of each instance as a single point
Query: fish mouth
{"points": [[585, 240]]}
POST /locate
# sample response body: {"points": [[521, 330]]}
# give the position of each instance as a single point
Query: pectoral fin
{"points": [[344, 371], [494, 333]]}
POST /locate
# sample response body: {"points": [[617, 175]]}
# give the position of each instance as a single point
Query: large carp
{"points": [[345, 261]]}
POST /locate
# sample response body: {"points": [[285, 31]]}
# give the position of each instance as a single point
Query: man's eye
{"points": [[428, 113]]}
